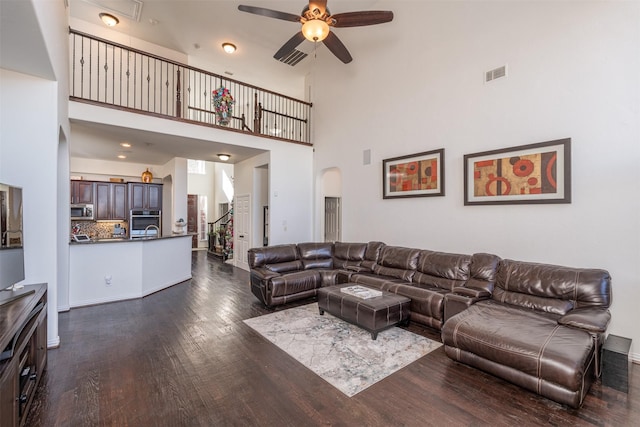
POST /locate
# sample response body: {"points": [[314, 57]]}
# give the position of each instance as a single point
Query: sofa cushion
{"points": [[283, 267], [384, 283], [428, 300], [527, 341], [348, 254], [483, 271], [551, 288], [316, 255], [295, 282], [397, 262], [372, 254], [259, 257], [441, 269]]}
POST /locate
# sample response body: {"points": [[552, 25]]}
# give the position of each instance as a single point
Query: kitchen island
{"points": [[107, 270]]}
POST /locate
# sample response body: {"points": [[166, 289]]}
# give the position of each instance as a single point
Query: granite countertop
{"points": [[127, 240]]}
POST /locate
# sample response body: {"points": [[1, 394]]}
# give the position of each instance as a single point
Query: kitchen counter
{"points": [[101, 272], [127, 240]]}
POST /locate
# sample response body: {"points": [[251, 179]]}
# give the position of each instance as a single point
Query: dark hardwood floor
{"points": [[183, 357]]}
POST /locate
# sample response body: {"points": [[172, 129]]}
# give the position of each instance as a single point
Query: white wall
{"points": [[125, 39], [290, 192], [34, 127], [223, 172], [574, 71], [175, 172], [28, 155], [102, 170], [203, 185]]}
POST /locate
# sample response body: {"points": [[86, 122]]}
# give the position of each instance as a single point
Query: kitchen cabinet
{"points": [[145, 196], [111, 201], [82, 192], [23, 336]]}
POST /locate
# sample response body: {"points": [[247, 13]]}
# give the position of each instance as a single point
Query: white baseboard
{"points": [[53, 343]]}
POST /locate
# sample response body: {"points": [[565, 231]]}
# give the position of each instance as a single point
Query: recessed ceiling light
{"points": [[125, 144], [108, 19], [224, 157], [229, 47], [122, 156]]}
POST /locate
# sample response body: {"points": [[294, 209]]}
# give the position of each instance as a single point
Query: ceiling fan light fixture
{"points": [[229, 47], [224, 157], [109, 20], [315, 30]]}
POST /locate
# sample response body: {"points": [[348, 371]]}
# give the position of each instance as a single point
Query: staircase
{"points": [[220, 234]]}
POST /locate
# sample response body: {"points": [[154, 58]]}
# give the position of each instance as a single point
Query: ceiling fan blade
{"points": [[289, 46], [321, 5], [333, 43], [270, 13], [360, 19]]}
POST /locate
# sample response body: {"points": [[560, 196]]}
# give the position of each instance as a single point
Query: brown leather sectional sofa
{"points": [[537, 325]]}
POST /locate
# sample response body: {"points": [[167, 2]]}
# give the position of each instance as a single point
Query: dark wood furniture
{"points": [[82, 192], [111, 201], [23, 343], [373, 314], [145, 196]]}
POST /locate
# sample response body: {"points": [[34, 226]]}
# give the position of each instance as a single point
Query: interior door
{"points": [[242, 224], [332, 219], [192, 218]]}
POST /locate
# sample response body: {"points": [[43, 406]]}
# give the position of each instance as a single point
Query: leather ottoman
{"points": [[372, 314]]}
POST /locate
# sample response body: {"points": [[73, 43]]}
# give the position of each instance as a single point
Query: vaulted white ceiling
{"points": [[197, 29]]}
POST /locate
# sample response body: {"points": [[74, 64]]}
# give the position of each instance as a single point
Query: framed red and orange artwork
{"points": [[528, 174], [415, 175]]}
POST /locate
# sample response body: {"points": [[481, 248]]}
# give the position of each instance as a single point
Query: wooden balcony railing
{"points": [[118, 76]]}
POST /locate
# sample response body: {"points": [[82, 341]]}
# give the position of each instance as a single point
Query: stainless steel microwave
{"points": [[82, 212]]}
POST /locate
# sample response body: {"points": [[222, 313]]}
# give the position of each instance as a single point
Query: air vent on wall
{"points": [[496, 73], [293, 57]]}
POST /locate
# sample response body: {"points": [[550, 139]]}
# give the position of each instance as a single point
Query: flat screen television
{"points": [[11, 245]]}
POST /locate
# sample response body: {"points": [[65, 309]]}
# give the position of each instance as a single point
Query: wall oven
{"points": [[82, 212], [145, 223]]}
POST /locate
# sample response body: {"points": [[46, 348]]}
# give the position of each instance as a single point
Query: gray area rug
{"points": [[342, 354]]}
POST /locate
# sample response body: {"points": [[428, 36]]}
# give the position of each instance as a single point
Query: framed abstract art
{"points": [[415, 175], [531, 174]]}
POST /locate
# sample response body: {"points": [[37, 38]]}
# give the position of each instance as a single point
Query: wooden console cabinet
{"points": [[23, 345]]}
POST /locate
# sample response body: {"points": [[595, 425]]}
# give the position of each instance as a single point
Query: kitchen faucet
{"points": [[152, 226]]}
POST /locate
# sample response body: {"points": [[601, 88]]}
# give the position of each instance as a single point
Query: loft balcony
{"points": [[116, 76]]}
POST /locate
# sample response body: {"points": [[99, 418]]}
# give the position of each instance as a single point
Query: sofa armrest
{"points": [[263, 274], [591, 319], [455, 303], [472, 292]]}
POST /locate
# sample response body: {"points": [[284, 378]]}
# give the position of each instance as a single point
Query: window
{"points": [[196, 167]]}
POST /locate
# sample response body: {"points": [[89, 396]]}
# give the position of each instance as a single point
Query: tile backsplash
{"points": [[98, 230]]}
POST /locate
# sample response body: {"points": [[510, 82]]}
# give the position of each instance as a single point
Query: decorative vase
{"points": [[223, 116], [147, 176]]}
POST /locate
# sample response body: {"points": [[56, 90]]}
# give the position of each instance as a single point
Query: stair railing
{"points": [[116, 76]]}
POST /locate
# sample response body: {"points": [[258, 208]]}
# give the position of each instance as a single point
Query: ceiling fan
{"points": [[316, 20]]}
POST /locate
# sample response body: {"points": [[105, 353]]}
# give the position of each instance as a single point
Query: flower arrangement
{"points": [[223, 105]]}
